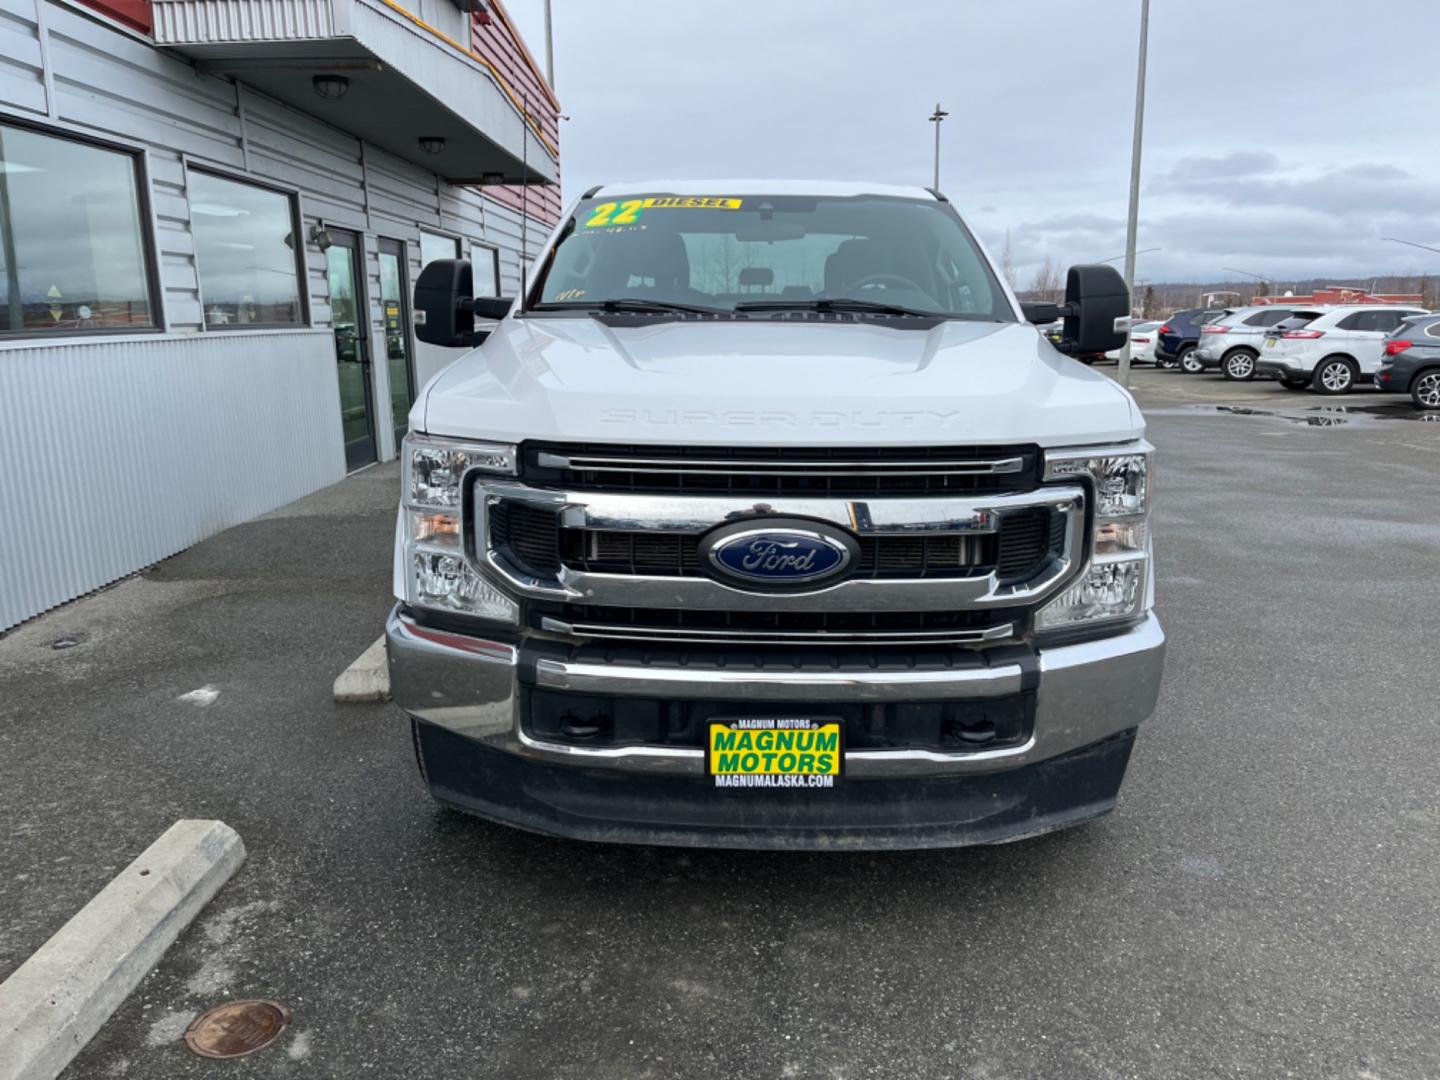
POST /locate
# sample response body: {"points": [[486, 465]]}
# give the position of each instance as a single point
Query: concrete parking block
{"points": [[53, 1004], [368, 678]]}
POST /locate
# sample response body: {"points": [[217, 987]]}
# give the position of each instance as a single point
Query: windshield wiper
{"points": [[837, 304], [628, 303]]}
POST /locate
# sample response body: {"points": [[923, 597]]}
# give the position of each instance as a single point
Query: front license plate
{"points": [[1271, 342], [774, 752]]}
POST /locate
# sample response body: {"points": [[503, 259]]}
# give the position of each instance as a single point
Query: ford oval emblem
{"points": [[778, 552]]}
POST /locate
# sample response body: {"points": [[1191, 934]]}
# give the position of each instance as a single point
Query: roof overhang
{"points": [[405, 81]]}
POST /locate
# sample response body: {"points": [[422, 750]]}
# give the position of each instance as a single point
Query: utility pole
{"points": [[1133, 220], [549, 49], [937, 118]]}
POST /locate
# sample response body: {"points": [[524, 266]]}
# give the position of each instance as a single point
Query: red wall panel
{"points": [[495, 40], [134, 13]]}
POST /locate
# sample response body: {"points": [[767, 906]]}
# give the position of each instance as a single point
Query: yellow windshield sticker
{"points": [[693, 202], [629, 211]]}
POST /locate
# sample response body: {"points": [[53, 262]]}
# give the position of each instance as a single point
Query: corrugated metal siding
{"points": [[202, 21], [505, 228], [116, 84], [22, 79], [121, 451]]}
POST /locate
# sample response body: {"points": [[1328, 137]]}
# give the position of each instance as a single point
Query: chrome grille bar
{"points": [[624, 632], [772, 467]]}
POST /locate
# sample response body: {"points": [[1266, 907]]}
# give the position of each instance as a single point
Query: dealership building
{"points": [[211, 216]]}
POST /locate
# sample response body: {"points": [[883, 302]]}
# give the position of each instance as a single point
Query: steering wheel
{"points": [[884, 281]]}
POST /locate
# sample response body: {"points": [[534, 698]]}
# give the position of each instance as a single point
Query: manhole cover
{"points": [[236, 1028]]}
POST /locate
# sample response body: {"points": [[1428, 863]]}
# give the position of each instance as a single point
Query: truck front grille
{"points": [[627, 525], [747, 470]]}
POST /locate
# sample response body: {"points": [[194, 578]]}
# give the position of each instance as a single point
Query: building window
{"points": [[486, 263], [434, 246], [71, 240], [246, 252]]}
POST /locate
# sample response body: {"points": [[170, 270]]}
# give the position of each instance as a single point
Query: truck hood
{"points": [[773, 383]]}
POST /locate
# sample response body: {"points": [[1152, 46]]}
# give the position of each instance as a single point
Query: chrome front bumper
{"points": [[1087, 693]]}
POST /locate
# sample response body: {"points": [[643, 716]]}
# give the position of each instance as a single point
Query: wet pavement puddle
{"points": [[1311, 415]]}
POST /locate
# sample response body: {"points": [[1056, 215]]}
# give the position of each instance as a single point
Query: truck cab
{"points": [[767, 518]]}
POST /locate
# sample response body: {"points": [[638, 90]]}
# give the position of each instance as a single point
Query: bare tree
{"points": [[1046, 284], [1007, 263]]}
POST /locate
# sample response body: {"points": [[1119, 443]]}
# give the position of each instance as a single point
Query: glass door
{"points": [[395, 310], [344, 264]]}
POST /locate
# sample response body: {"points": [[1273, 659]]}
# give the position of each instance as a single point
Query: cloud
{"points": [[1360, 188], [1074, 223], [1038, 139], [1237, 163]]}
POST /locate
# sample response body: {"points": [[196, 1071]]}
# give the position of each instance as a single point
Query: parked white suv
{"points": [[1333, 351], [1231, 341]]}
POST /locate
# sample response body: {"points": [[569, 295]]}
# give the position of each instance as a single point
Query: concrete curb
{"points": [[368, 678], [55, 1002]]}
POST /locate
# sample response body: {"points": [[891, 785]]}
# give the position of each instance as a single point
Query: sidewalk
{"points": [[99, 750]]}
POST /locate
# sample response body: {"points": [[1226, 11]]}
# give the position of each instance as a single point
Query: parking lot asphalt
{"points": [[1261, 904]]}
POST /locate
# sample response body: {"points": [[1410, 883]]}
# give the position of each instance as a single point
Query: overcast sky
{"points": [[1280, 137]]}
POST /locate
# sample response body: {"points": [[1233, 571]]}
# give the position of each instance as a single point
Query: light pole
{"points": [[937, 118], [1134, 216], [549, 50]]}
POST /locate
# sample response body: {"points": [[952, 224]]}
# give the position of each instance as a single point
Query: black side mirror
{"points": [[1097, 309], [445, 312], [440, 316]]}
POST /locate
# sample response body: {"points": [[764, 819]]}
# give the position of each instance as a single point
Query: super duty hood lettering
{"points": [[821, 418]]}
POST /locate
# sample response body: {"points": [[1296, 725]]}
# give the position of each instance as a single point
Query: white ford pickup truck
{"points": [[766, 518]]}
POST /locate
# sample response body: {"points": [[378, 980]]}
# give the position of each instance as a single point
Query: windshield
{"points": [[762, 253]]}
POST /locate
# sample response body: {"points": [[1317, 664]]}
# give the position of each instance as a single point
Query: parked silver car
{"points": [[1231, 341], [1142, 344]]}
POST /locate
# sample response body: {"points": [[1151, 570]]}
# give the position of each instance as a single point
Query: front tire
{"points": [[1425, 390], [1239, 365], [1293, 384], [1169, 363], [1189, 362], [1335, 375]]}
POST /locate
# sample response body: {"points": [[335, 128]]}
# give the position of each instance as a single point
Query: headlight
{"points": [[438, 571], [435, 467], [1115, 586]]}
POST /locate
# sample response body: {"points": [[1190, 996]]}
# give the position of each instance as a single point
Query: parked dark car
{"points": [[1410, 362], [1178, 336]]}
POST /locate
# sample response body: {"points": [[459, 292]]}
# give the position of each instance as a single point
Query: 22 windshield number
{"points": [[605, 213]]}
